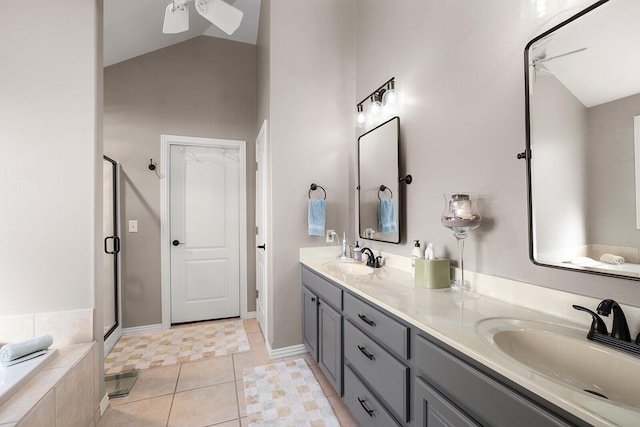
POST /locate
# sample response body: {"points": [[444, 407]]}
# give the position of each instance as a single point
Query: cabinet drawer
{"points": [[434, 410], [387, 376], [363, 405], [387, 330], [322, 288], [479, 394]]}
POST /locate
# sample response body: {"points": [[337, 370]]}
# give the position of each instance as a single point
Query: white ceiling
{"points": [[608, 69], [134, 27]]}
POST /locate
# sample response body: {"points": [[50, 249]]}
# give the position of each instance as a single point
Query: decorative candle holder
{"points": [[460, 215]]}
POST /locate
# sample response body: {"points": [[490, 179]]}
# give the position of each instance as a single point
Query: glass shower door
{"points": [[111, 306]]}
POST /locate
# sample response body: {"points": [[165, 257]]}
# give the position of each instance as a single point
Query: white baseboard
{"points": [[249, 315], [104, 404], [142, 329], [293, 350]]}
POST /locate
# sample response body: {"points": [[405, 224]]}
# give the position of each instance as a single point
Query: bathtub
{"points": [[628, 269], [15, 376]]}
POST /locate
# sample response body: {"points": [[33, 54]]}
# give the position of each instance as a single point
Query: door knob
{"points": [[263, 246], [177, 242]]}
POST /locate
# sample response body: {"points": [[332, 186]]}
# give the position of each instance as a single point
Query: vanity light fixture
{"points": [[380, 99]]}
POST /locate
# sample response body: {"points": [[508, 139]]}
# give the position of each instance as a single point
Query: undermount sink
{"points": [[349, 268], [564, 355]]}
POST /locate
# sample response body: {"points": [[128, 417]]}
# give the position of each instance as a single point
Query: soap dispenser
{"points": [[357, 252], [416, 253]]}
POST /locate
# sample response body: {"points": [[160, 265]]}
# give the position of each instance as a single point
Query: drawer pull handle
{"points": [[367, 410], [366, 353], [366, 320]]}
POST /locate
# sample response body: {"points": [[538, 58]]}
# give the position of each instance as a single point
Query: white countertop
{"points": [[452, 318]]}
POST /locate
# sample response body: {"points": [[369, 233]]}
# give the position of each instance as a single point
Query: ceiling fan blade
{"points": [[176, 18], [220, 14]]}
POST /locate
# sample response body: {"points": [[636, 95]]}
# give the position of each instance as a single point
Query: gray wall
{"points": [[50, 165], [459, 65], [203, 87], [612, 206], [309, 102], [559, 133]]}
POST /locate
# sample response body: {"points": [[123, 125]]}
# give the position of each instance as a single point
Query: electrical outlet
{"points": [[330, 236], [133, 226]]}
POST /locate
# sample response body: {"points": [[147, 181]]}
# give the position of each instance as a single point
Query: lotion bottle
{"points": [[416, 253]]}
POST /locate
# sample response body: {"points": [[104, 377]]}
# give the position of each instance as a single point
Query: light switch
{"points": [[133, 226]]}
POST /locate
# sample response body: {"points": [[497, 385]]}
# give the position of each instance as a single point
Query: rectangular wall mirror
{"points": [[583, 94], [379, 183]]}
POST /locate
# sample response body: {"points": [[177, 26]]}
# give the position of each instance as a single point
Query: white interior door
{"points": [[205, 233], [261, 228]]}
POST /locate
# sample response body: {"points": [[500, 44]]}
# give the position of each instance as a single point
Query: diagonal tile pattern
{"points": [[286, 393], [174, 395], [177, 345]]}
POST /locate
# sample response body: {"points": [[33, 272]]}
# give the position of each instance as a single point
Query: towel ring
{"points": [[382, 189], [314, 187]]}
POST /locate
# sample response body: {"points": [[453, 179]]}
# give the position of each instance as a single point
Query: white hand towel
{"points": [[17, 350], [612, 259]]}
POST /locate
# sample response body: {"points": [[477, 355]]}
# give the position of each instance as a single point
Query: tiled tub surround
{"points": [[64, 393], [66, 386], [66, 327], [453, 321]]}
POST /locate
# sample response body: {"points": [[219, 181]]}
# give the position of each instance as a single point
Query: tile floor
{"points": [[203, 393]]}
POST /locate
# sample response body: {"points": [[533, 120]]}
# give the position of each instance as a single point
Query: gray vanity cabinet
{"points": [[330, 344], [474, 396], [376, 349], [394, 374], [310, 322], [434, 410], [322, 325]]}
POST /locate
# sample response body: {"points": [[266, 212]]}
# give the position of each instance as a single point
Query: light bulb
{"points": [[361, 118], [376, 105], [390, 97]]}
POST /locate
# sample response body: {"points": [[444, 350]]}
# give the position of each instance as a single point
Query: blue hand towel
{"points": [[387, 216], [317, 214]]}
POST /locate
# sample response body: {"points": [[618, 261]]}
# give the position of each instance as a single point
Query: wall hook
{"points": [[407, 179], [152, 165]]}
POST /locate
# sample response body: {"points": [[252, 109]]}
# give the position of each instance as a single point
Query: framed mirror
{"points": [[379, 183], [583, 141]]}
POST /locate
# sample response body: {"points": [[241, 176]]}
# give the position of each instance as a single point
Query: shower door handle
{"points": [[116, 245]]}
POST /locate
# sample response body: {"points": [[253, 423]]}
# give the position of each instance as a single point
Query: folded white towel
{"points": [[584, 261], [612, 259], [14, 351]]}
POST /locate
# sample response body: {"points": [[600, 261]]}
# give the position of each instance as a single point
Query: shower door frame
{"points": [[115, 332]]}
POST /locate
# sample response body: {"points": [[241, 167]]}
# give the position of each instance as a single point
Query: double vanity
{"points": [[405, 356]]}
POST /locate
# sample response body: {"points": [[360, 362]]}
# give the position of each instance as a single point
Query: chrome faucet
{"points": [[620, 329]]}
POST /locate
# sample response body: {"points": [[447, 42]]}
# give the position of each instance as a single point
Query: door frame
{"points": [[166, 141], [263, 136]]}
